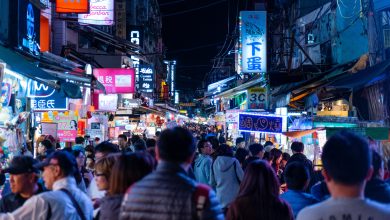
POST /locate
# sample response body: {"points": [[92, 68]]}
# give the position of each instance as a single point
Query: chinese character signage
{"points": [[45, 98], [67, 127], [254, 41], [257, 98], [29, 27], [72, 6], [260, 123], [115, 80], [101, 13], [146, 78]]}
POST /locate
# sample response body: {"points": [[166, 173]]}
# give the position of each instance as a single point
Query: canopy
{"points": [[297, 134]]}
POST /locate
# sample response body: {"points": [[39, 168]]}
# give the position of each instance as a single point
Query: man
{"points": [[202, 166], [346, 159], [256, 152], [23, 182], [297, 178], [168, 193], [122, 142], [376, 188], [80, 141], [297, 149], [65, 201], [241, 152]]}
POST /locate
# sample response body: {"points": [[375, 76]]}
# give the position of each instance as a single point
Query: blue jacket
{"points": [[298, 200], [202, 169], [377, 190], [225, 179]]}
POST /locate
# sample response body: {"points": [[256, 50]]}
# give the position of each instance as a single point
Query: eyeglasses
{"points": [[100, 174]]}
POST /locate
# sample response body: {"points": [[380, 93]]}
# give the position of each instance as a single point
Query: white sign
{"points": [[108, 102], [101, 12], [257, 98], [231, 116]]}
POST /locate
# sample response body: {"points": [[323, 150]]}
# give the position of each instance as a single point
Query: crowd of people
{"points": [[182, 175]]}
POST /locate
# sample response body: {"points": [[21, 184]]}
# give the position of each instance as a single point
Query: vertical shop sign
{"points": [[257, 98], [146, 78], [253, 40], [29, 27], [72, 6], [120, 18], [101, 12], [45, 98], [134, 35]]}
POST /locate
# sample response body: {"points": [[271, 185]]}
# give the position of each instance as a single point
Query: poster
{"points": [[67, 127], [50, 129]]}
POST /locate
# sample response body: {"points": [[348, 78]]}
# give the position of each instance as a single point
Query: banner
{"points": [[254, 41], [67, 127], [115, 80], [72, 6], [260, 123], [101, 13], [257, 98]]}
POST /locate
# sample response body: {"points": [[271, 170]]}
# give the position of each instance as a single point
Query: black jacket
{"points": [[12, 201], [377, 190]]}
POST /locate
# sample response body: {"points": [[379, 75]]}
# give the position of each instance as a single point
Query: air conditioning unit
{"points": [[386, 38]]}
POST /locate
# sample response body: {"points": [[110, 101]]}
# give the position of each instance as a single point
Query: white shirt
{"points": [[36, 208], [93, 192]]}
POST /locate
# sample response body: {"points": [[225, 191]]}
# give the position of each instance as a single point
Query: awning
{"points": [[297, 134], [240, 88]]}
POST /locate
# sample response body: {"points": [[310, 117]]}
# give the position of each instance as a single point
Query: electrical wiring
{"points": [[194, 9], [353, 9]]}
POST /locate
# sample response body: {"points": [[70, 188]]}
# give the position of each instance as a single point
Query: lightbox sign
{"points": [[45, 98], [115, 80], [101, 12], [146, 78], [29, 27], [72, 6], [260, 123], [253, 38], [135, 37]]}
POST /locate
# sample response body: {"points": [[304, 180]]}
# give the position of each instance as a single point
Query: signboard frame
{"points": [[260, 123]]}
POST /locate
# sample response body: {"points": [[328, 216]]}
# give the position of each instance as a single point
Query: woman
{"points": [[226, 175], [82, 182], [276, 155], [258, 197], [128, 169]]}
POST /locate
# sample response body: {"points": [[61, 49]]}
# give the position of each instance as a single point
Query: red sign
{"points": [[72, 6], [115, 80]]}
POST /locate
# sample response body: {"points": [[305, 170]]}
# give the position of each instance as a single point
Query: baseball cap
{"points": [[21, 164], [65, 160]]}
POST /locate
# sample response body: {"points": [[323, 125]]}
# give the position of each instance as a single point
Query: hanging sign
{"points": [[45, 98], [260, 123], [115, 80], [257, 98], [146, 79], [29, 27], [108, 102], [67, 127], [72, 6], [101, 13]]}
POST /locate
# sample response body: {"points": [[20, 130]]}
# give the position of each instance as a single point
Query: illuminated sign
{"points": [[101, 13], [253, 38], [257, 98], [72, 6], [29, 27], [115, 80], [146, 78], [135, 38], [45, 98], [260, 123]]}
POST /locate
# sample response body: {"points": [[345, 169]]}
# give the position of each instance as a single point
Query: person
{"points": [[150, 147], [122, 142], [285, 157], [376, 188], [256, 152], [346, 160], [80, 141], [276, 156], [268, 146], [258, 197], [168, 192], [226, 176], [203, 162], [140, 145], [297, 149], [64, 201], [128, 169], [133, 139], [297, 179], [44, 149], [81, 172], [73, 125], [96, 141], [23, 182]]}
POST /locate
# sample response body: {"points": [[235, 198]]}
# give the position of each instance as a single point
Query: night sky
{"points": [[195, 37]]}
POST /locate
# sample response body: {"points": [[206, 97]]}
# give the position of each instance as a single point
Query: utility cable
{"points": [[194, 9]]}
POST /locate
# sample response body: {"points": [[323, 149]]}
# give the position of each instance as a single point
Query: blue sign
{"points": [[260, 123], [45, 98], [253, 40]]}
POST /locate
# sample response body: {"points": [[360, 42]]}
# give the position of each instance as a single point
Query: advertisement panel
{"points": [[260, 123], [108, 102], [29, 27], [146, 78], [67, 127], [72, 6], [254, 41], [45, 98], [257, 98], [101, 13], [115, 80]]}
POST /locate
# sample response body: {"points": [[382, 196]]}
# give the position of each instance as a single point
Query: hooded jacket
{"points": [[226, 177], [202, 169]]}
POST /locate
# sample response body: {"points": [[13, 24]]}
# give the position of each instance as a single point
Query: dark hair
{"points": [[222, 140], [47, 144], [124, 137], [76, 153], [150, 142], [239, 140], [90, 148], [297, 146], [134, 138], [275, 155], [268, 143], [267, 156], [106, 148], [214, 142], [201, 145], [79, 140], [176, 145], [128, 169], [285, 156], [296, 176], [255, 149], [377, 163], [158, 133], [346, 157], [140, 145], [66, 161], [261, 186], [225, 150]]}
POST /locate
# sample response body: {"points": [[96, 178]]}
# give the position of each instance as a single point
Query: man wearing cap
{"points": [[65, 201], [23, 182]]}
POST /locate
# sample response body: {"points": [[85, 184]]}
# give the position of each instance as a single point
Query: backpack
{"points": [[200, 198]]}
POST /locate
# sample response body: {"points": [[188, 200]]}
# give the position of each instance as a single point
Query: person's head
{"points": [[23, 175], [90, 162], [128, 169], [104, 149], [346, 159], [256, 150], [222, 140], [45, 146], [176, 145], [297, 147], [378, 165], [225, 150], [268, 146], [134, 138], [158, 133], [79, 140], [140, 145], [97, 141], [276, 155], [240, 142], [56, 166], [80, 158], [89, 150], [122, 141], [204, 147], [103, 168], [285, 158], [73, 124], [214, 142], [150, 143], [296, 176]]}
